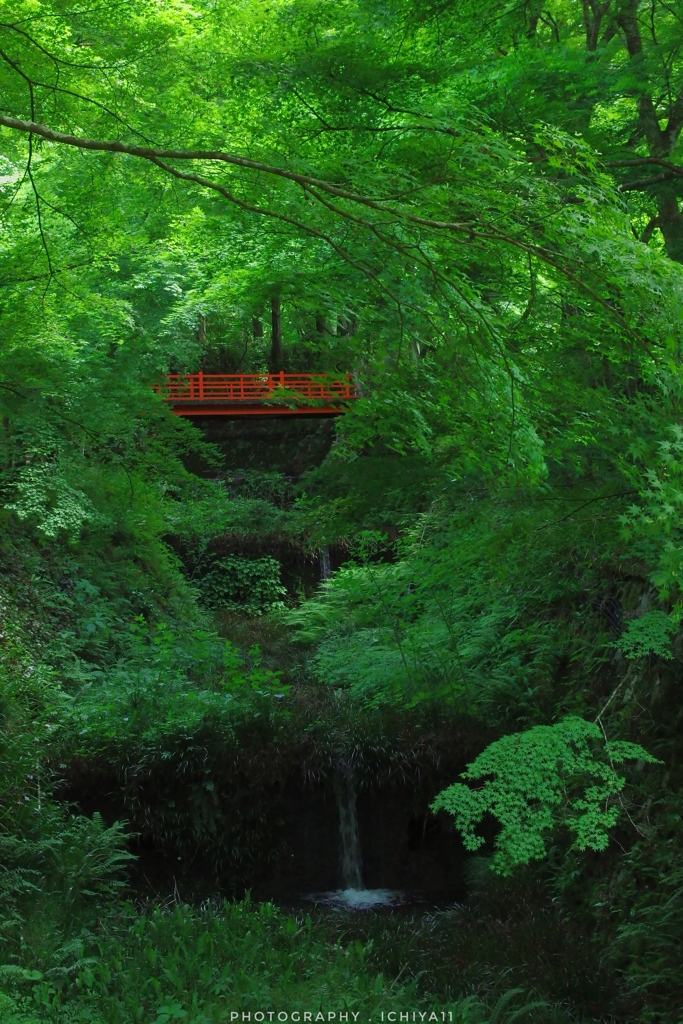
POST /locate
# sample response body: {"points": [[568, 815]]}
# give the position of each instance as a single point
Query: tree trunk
{"points": [[670, 223], [661, 141], [276, 354], [256, 327], [201, 338]]}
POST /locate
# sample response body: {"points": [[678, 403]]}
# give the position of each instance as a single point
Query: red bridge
{"points": [[256, 394]]}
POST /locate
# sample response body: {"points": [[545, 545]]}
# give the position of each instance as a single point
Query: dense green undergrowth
{"points": [[134, 689], [185, 736], [181, 963]]}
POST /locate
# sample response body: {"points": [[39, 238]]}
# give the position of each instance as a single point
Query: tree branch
{"points": [[161, 156], [154, 154], [641, 183]]}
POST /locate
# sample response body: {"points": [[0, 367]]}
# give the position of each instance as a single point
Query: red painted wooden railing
{"points": [[226, 394]]}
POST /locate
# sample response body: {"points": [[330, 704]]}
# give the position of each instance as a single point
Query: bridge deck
{"points": [[257, 394]]}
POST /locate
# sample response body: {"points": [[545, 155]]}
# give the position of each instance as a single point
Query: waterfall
{"points": [[325, 564], [345, 792]]}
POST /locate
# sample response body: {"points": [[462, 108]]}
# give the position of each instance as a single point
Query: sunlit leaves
{"points": [[535, 781]]}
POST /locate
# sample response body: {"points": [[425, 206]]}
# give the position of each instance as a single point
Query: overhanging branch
{"points": [[161, 156]]}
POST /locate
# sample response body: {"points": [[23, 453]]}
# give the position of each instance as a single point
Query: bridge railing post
{"points": [[200, 377]]}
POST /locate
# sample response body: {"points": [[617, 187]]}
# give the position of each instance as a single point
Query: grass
{"points": [[199, 965]]}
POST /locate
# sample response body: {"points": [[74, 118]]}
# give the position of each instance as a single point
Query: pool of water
{"points": [[359, 899]]}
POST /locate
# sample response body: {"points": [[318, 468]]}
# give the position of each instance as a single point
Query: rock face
{"points": [[283, 444]]}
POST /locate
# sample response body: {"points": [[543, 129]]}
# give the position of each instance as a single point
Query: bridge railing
{"points": [[254, 387]]}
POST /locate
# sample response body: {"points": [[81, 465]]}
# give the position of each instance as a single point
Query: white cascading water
{"points": [[345, 792], [325, 564], [353, 896]]}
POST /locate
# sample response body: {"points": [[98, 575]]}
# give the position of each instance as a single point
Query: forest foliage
{"points": [[476, 210]]}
